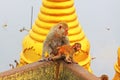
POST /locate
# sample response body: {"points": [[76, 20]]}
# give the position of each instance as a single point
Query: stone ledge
{"points": [[58, 70]]}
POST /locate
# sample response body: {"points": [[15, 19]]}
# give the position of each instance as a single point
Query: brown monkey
{"points": [[56, 37], [67, 52]]}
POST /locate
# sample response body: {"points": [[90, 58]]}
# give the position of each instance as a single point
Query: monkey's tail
{"points": [[57, 70]]}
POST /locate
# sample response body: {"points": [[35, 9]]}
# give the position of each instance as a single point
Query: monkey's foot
{"points": [[50, 59], [46, 59], [74, 62], [67, 61]]}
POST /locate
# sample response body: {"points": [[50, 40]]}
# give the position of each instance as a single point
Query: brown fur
{"points": [[55, 38], [67, 51]]}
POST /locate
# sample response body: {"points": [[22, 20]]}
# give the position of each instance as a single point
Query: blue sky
{"points": [[95, 16]]}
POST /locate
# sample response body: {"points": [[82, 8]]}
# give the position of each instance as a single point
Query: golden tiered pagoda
{"points": [[52, 12]]}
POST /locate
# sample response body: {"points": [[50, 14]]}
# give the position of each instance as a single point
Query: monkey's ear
{"points": [[60, 27]]}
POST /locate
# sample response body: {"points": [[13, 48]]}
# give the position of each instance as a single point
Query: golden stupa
{"points": [[52, 12]]}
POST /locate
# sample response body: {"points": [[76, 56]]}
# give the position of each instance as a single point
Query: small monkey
{"points": [[67, 52], [56, 37]]}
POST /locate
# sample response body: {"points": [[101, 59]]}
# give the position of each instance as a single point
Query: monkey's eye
{"points": [[60, 27]]}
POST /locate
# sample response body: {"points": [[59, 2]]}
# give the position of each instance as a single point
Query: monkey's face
{"points": [[63, 30], [77, 46]]}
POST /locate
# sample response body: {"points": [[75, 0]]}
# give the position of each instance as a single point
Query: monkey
{"points": [[57, 36], [67, 51]]}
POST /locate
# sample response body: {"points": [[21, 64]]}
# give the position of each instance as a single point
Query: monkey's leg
{"points": [[56, 57], [67, 59], [50, 57]]}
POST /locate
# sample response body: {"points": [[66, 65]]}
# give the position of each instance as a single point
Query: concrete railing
{"points": [[57, 70]]}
